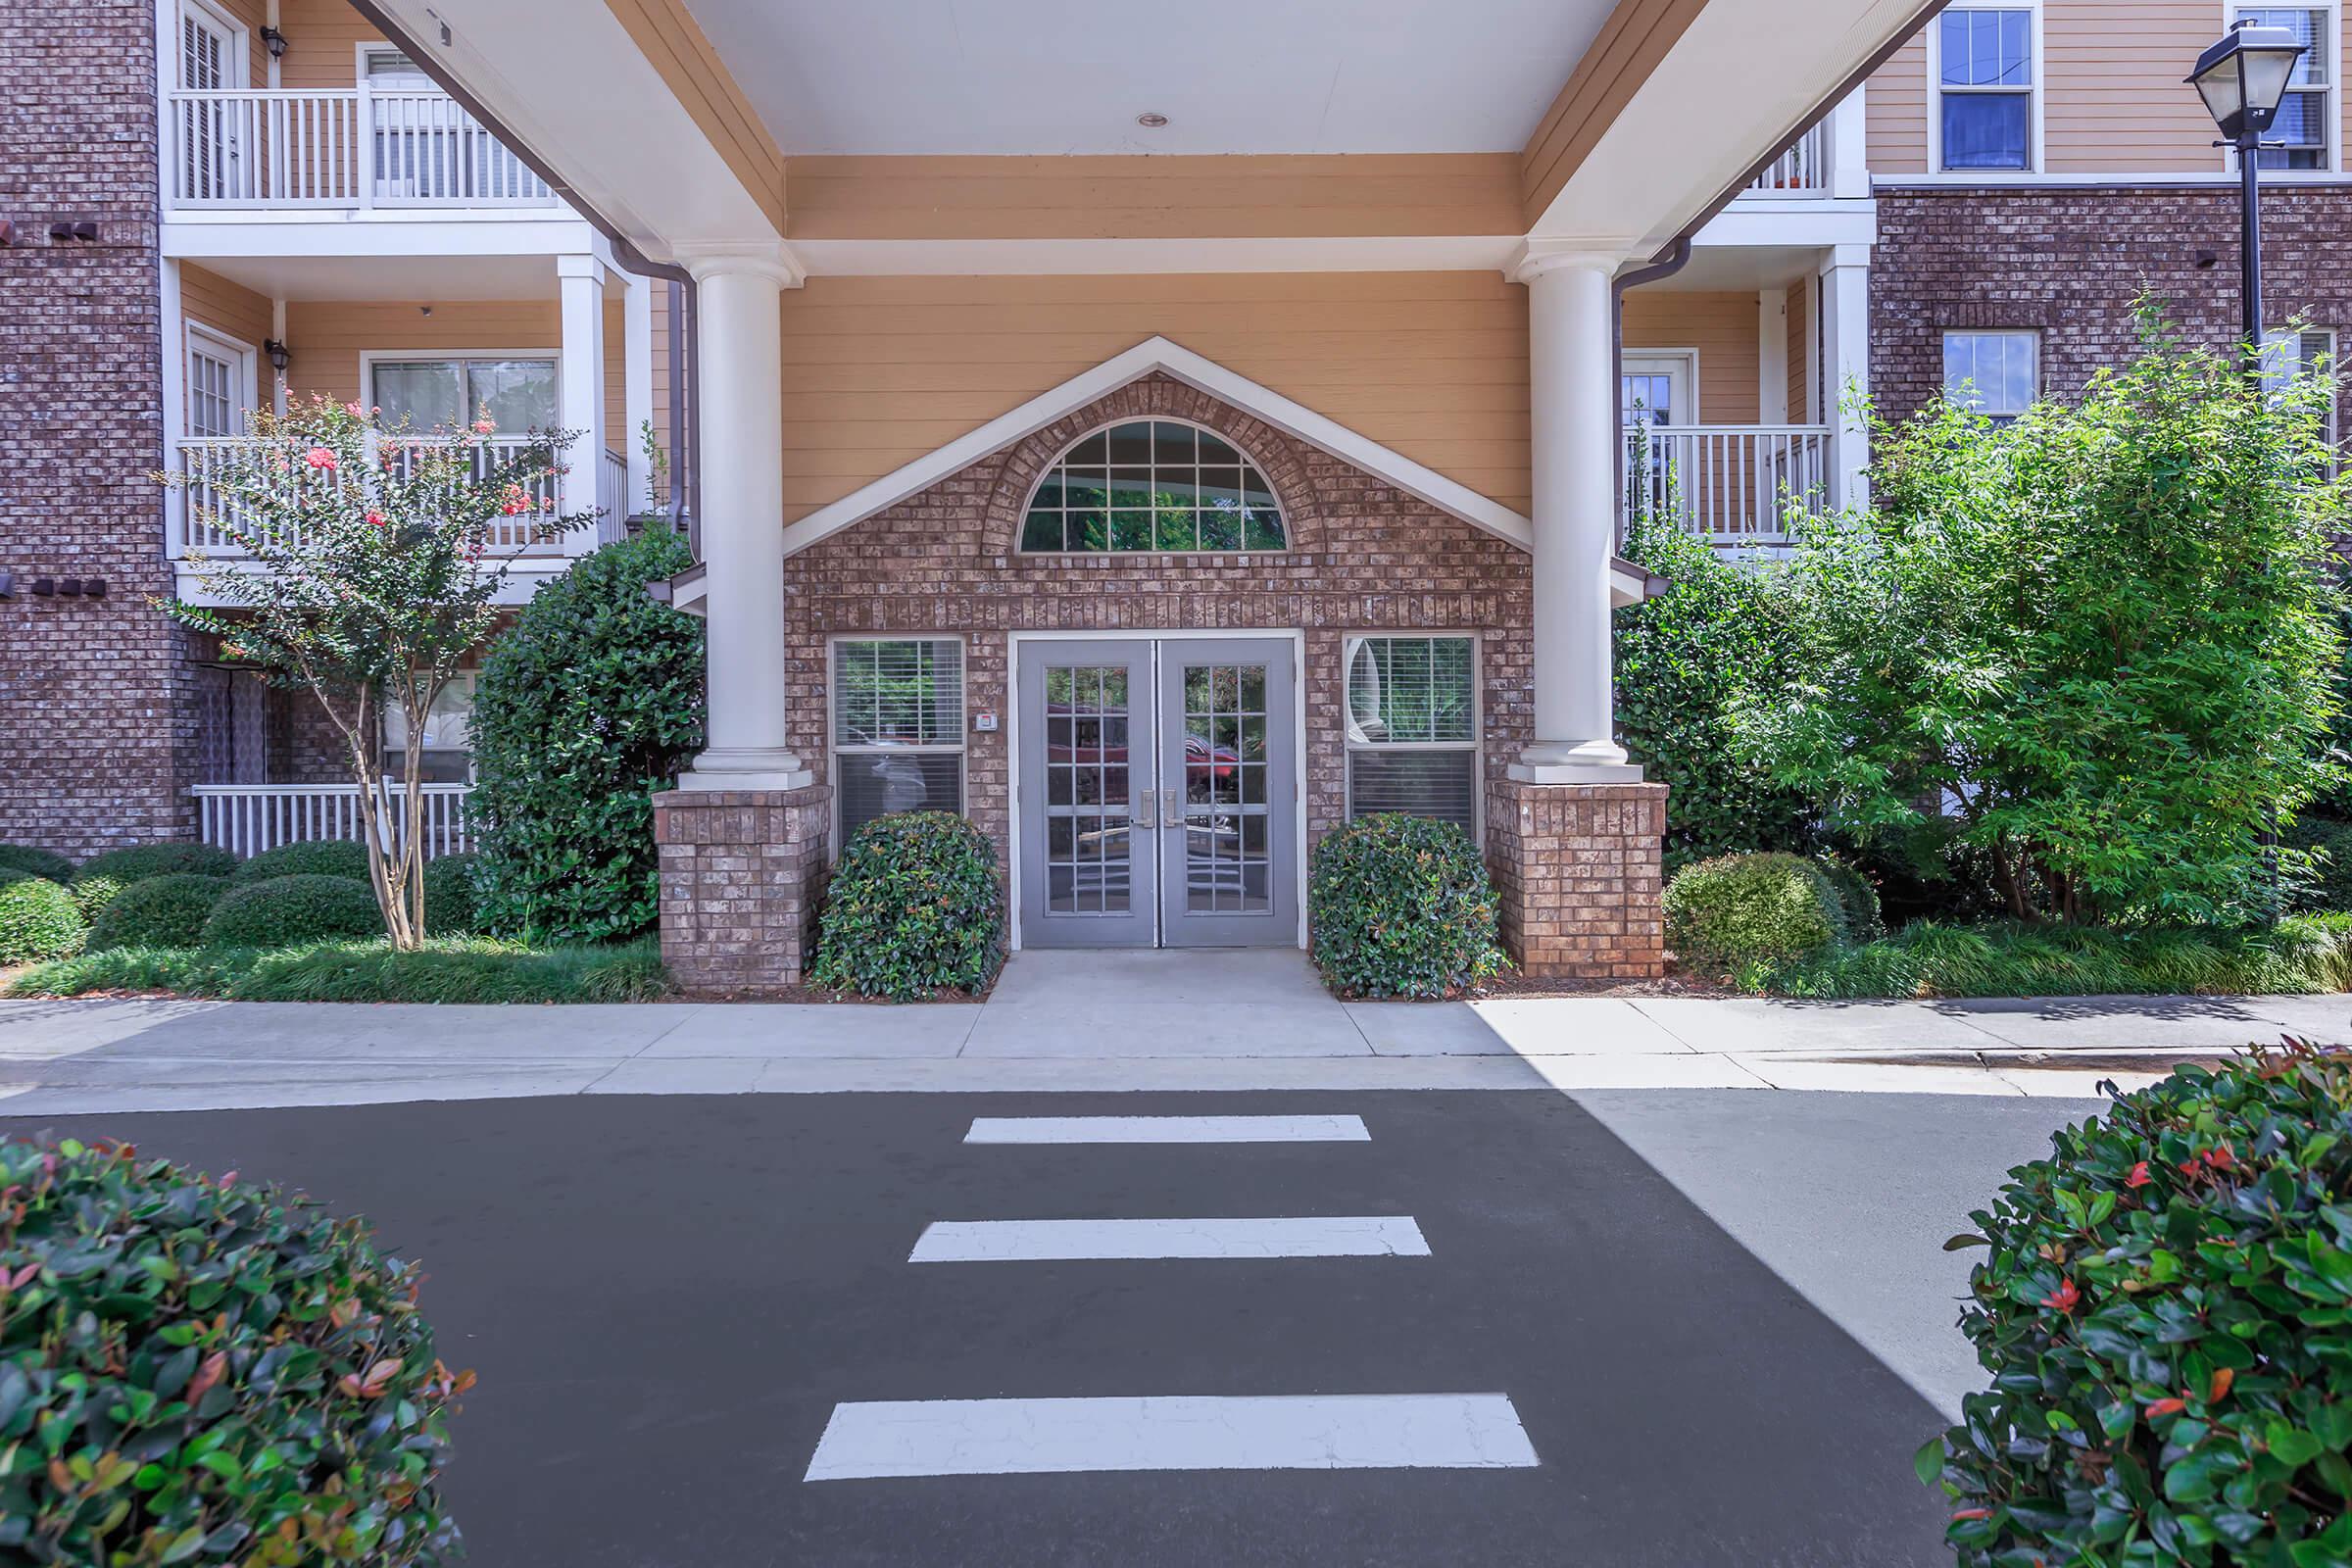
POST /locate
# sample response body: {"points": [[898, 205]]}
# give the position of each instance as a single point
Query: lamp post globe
{"points": [[2242, 79]]}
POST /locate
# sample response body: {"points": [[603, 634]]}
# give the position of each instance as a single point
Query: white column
{"points": [[637, 390], [1846, 378], [1849, 151], [1573, 416], [174, 392], [739, 343], [580, 389]]}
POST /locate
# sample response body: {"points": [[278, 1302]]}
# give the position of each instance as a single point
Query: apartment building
{"points": [[1209, 467]]}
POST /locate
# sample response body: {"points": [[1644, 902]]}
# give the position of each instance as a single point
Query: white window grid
{"points": [[1252, 477], [1985, 399]]}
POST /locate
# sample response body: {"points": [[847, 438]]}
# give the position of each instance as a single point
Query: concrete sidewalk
{"points": [[1110, 1021]]}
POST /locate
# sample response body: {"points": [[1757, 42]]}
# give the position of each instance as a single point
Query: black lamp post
{"points": [[2241, 79]]}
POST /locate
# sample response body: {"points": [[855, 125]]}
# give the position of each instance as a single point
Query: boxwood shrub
{"points": [[163, 911], [914, 908], [140, 862], [289, 910], [38, 919], [453, 902], [36, 862], [209, 1371], [344, 858], [2162, 1317], [1859, 918], [1741, 910], [1401, 907]]}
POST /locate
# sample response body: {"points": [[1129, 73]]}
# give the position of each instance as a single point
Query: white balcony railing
{"points": [[206, 508], [1735, 484], [247, 818], [1802, 170], [362, 148], [611, 496]]}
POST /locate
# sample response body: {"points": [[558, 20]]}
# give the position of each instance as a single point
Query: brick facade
{"points": [[2068, 262], [1580, 873], [740, 876], [98, 699]]}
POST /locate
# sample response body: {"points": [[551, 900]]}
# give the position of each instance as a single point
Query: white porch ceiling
{"points": [[1051, 76], [429, 279]]}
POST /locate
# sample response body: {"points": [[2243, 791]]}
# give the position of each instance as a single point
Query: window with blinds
{"points": [[897, 729], [1412, 727]]}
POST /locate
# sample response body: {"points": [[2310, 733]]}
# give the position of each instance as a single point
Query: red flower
{"points": [[2220, 1157], [2063, 1297], [376, 517], [320, 458], [2140, 1176], [2166, 1407]]}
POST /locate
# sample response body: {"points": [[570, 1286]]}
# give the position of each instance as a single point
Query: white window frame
{"points": [[1250, 465], [835, 750], [242, 358], [2333, 119], [369, 359], [1683, 363], [1475, 745], [2034, 138], [2033, 337], [2276, 334]]}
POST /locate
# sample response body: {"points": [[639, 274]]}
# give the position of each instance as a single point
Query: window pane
{"points": [[1987, 48], [875, 784], [519, 394], [1153, 485], [1402, 690], [1986, 130], [2310, 31], [897, 693], [1439, 784], [427, 393], [1993, 372]]}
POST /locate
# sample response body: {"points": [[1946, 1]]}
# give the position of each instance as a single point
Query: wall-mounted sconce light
{"points": [[276, 42], [279, 355]]}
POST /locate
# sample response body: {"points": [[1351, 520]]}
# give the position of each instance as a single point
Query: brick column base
{"points": [[1578, 867], [741, 873]]}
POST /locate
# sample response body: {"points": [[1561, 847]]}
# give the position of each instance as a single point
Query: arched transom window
{"points": [[1153, 485]]}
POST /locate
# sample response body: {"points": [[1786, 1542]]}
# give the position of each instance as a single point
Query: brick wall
{"points": [[97, 701], [2069, 263]]}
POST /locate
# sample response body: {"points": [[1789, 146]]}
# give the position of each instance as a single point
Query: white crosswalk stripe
{"points": [[1167, 1130], [1008, 1241]]}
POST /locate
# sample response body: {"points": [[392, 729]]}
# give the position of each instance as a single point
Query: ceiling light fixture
{"points": [[1151, 120]]}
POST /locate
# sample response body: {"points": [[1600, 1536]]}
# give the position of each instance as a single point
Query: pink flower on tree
{"points": [[376, 517], [353, 408], [547, 502], [320, 458], [484, 425]]}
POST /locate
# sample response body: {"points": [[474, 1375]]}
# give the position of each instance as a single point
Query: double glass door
{"points": [[1157, 791]]}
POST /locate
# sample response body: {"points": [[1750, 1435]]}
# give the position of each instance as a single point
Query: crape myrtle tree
{"points": [[2103, 639], [366, 561]]}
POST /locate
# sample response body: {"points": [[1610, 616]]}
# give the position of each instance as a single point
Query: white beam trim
{"points": [[1089, 257], [1158, 355]]}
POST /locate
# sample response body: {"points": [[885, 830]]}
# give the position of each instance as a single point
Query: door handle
{"points": [[1140, 814], [1171, 808]]}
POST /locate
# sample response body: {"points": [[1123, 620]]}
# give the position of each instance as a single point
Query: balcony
{"points": [[357, 150], [1802, 170], [247, 818], [1731, 484]]}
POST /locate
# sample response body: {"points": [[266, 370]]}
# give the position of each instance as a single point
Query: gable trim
{"points": [[1160, 356]]}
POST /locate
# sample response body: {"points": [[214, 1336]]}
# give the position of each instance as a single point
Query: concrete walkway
{"points": [[1226, 1020]]}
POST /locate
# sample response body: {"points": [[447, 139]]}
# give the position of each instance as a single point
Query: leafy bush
{"points": [[2105, 633], [588, 704], [1740, 909], [163, 911], [452, 895], [143, 860], [289, 910], [183, 971], [1930, 958], [1858, 916], [92, 894], [914, 908], [2161, 1313], [1401, 907], [1682, 661], [36, 862], [209, 1371], [38, 919], [344, 858], [445, 970], [2327, 882]]}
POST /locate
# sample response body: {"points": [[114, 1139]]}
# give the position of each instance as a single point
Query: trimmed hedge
{"points": [[163, 911], [2162, 1317], [142, 861], [1859, 920], [36, 862], [290, 909], [453, 901], [38, 919], [209, 1372], [1741, 910], [1401, 907], [445, 970], [914, 908], [343, 857]]}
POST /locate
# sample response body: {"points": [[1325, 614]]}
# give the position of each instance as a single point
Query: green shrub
{"points": [[92, 894], [1401, 907], [453, 896], [36, 862], [1858, 916], [2328, 885], [1749, 908], [183, 971], [163, 911], [1930, 958], [915, 907], [343, 857], [38, 919], [588, 704], [446, 969], [2162, 1314], [143, 860], [209, 1371], [290, 909]]}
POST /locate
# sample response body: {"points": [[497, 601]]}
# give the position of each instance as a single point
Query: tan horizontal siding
{"points": [[1894, 117], [880, 370], [1722, 327], [323, 44], [2114, 101], [1632, 40], [617, 434], [677, 49], [1801, 346], [227, 308], [328, 336], [1152, 198], [660, 410]]}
